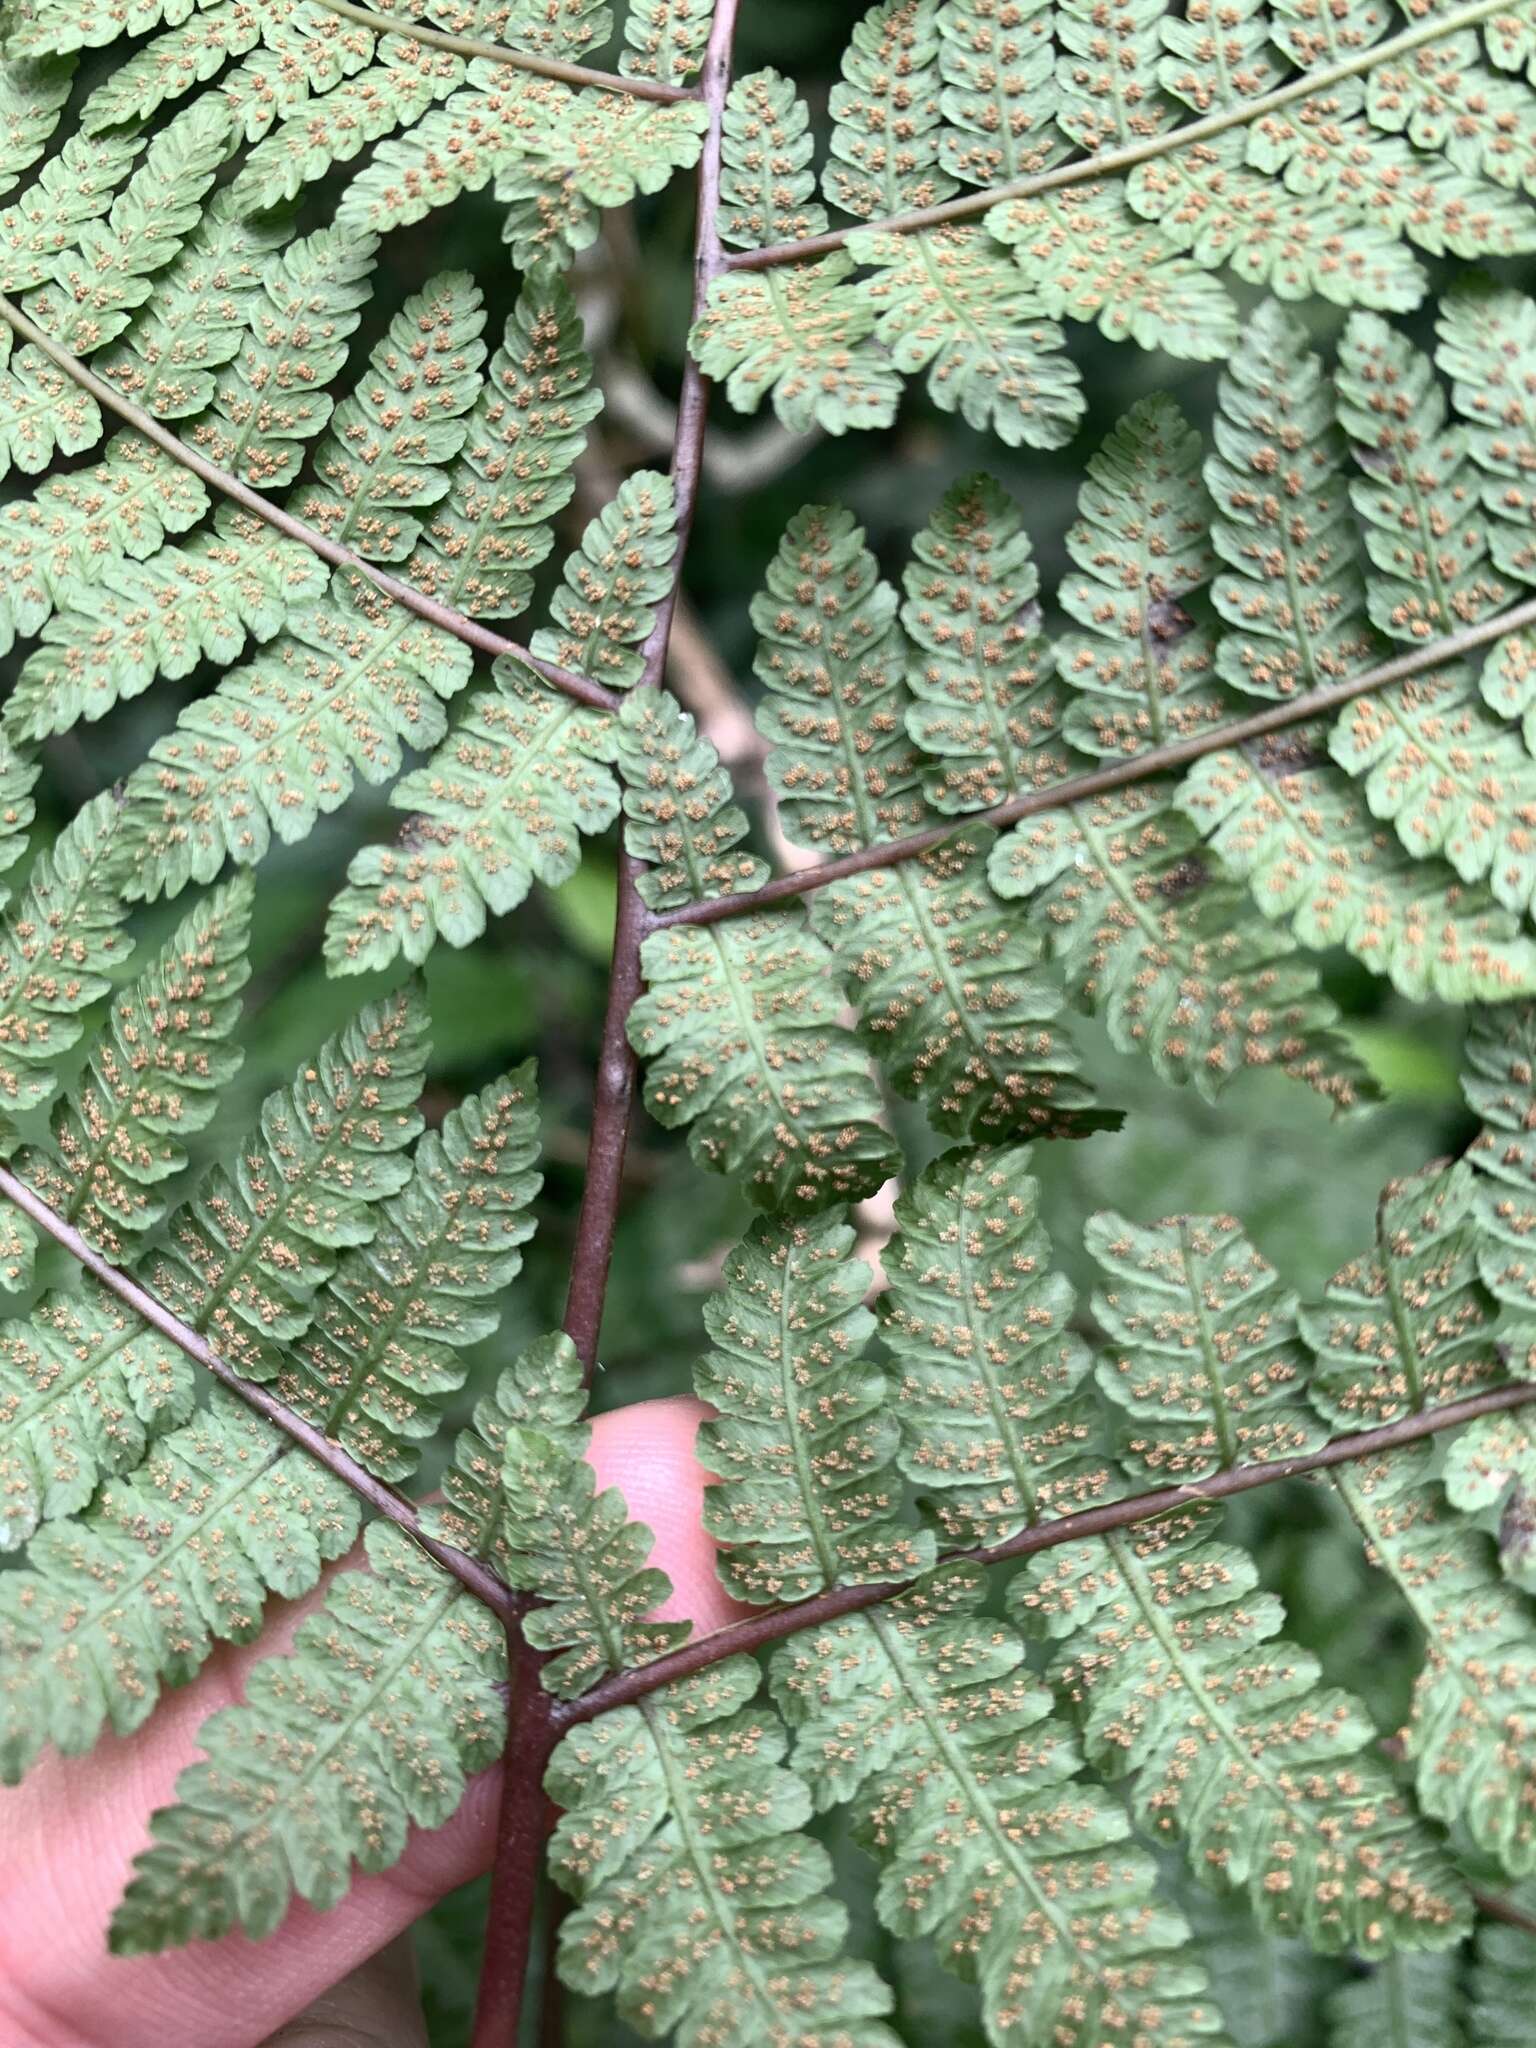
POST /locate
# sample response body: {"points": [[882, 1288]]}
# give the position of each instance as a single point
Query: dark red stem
{"points": [[775, 1623], [525, 1822]]}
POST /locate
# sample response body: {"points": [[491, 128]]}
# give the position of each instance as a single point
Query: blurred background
{"points": [[1304, 1187]]}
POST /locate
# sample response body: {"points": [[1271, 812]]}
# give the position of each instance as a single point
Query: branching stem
{"points": [[474, 1576], [1135, 768], [775, 1623], [470, 47], [1111, 162], [444, 617]]}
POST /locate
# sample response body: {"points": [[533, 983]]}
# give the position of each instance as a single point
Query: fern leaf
{"points": [[42, 413], [1142, 667], [1498, 1084], [59, 26], [153, 1075], [987, 714], [196, 320], [180, 57], [74, 525], [372, 1726], [311, 136], [94, 289], [85, 1386], [803, 1437], [306, 51], [996, 64], [503, 802], [605, 606], [952, 304], [665, 39], [390, 440], [1087, 256], [243, 1257], [1476, 1695], [767, 186], [32, 99], [391, 1323], [277, 743], [1487, 347], [526, 432], [163, 1565], [681, 816], [72, 189], [953, 1000], [990, 1840], [1406, 1326], [1299, 833], [1444, 97], [798, 336], [741, 1028], [1205, 1356], [1268, 1779], [699, 1900], [886, 116], [573, 1546], [491, 122], [162, 617], [832, 659], [997, 1423], [272, 398], [1277, 444], [595, 150], [59, 944]]}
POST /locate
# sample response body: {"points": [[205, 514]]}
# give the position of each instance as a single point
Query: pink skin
{"points": [[69, 1833]]}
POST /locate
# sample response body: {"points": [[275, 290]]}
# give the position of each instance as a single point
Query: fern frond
{"points": [[278, 743], [161, 617], [75, 525], [1299, 833], [33, 95], [606, 602], [390, 440], [681, 816], [273, 398], [699, 1900], [372, 1725], [1475, 1700], [803, 1437], [1268, 1778], [742, 1031], [997, 1423], [242, 1258], [136, 1593], [72, 189], [153, 1075], [525, 435], [576, 1548], [952, 304], [991, 1842], [1498, 1081], [93, 290], [1407, 1326], [42, 414], [85, 1386], [503, 802], [953, 1000], [986, 713], [996, 63], [885, 114], [1205, 1356], [799, 337], [59, 943], [1501, 1988], [665, 39], [197, 318], [390, 1325], [311, 135], [767, 186], [184, 55], [595, 150]]}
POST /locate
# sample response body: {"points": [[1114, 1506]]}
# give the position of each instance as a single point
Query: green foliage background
{"points": [[1304, 1187]]}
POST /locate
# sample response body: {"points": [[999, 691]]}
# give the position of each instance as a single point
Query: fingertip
{"points": [[647, 1452]]}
